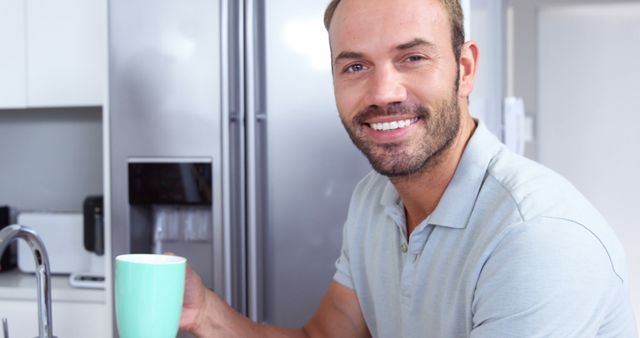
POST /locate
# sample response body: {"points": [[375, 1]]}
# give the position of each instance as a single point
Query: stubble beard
{"points": [[438, 130]]}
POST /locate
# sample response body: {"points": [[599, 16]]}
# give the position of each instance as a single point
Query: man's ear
{"points": [[469, 56]]}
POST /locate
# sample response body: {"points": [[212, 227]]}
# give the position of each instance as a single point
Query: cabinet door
{"points": [[12, 54], [66, 43], [69, 319]]}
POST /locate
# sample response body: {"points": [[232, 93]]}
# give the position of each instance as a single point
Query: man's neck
{"points": [[420, 193]]}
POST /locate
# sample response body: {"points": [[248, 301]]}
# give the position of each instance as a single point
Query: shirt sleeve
{"points": [[343, 264], [551, 278]]}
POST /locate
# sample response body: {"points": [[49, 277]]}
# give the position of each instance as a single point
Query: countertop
{"points": [[17, 285]]}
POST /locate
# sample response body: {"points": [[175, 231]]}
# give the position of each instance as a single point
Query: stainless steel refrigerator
{"points": [[226, 147]]}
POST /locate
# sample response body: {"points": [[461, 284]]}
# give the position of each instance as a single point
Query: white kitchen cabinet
{"points": [[13, 69], [53, 53], [76, 313], [66, 52], [70, 319]]}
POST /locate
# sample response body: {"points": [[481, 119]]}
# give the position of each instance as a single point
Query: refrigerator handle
{"points": [[233, 156], [226, 115], [253, 116]]}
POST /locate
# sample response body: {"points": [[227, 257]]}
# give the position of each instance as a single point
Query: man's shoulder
{"points": [[535, 190], [546, 204]]}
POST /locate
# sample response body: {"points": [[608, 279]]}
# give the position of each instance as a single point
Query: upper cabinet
{"points": [[13, 57], [57, 53], [66, 52]]}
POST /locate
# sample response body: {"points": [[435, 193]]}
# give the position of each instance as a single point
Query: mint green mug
{"points": [[149, 292]]}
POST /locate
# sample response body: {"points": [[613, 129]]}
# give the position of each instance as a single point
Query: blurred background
{"points": [[208, 127]]}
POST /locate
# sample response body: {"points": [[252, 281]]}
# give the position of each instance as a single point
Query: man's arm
{"points": [[206, 315], [339, 315]]}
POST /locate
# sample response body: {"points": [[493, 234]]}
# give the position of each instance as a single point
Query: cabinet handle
{"points": [[5, 327]]}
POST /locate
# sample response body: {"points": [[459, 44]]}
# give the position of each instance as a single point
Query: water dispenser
{"points": [[170, 204]]}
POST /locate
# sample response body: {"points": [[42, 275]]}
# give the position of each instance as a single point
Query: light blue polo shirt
{"points": [[511, 250]]}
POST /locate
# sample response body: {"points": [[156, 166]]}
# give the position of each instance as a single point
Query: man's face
{"points": [[395, 81]]}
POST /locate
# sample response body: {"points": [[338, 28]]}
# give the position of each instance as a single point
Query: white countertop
{"points": [[17, 285]]}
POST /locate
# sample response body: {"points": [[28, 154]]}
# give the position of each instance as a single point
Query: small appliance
{"points": [[93, 229], [62, 233], [8, 259]]}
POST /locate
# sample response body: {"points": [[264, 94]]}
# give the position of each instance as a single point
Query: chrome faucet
{"points": [[43, 275]]}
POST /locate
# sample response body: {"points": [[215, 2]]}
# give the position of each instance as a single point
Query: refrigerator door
{"points": [[175, 95], [302, 166]]}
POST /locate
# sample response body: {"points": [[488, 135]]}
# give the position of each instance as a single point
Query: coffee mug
{"points": [[149, 292]]}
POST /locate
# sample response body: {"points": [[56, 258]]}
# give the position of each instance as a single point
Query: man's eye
{"points": [[415, 58], [358, 67]]}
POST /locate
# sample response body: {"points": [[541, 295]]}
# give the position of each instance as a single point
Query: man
{"points": [[452, 235]]}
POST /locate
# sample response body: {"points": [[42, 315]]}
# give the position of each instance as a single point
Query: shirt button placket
{"points": [[404, 247], [406, 275]]}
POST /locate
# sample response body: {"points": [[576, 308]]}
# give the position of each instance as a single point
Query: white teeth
{"points": [[384, 126]]}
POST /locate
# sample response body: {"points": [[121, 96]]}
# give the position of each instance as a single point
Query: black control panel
{"points": [[170, 183]]}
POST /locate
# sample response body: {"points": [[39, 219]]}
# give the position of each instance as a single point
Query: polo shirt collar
{"points": [[458, 200], [455, 206], [393, 207]]}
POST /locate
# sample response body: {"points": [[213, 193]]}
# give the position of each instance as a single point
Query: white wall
{"points": [[523, 54], [588, 112], [50, 159], [486, 28]]}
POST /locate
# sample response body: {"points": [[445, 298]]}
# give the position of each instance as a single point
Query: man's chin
{"points": [[398, 168]]}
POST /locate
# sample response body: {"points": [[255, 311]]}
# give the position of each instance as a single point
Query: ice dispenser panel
{"points": [[173, 183], [170, 204]]}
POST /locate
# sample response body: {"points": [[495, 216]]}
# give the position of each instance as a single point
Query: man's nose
{"points": [[386, 87]]}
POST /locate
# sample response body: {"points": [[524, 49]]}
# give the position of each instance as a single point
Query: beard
{"points": [[437, 130]]}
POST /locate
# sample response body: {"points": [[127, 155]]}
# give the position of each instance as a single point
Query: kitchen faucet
{"points": [[43, 275]]}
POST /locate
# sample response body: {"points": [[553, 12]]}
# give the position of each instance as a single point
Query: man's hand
{"points": [[204, 314], [194, 304]]}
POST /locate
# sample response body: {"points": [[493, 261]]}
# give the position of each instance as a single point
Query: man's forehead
{"points": [[390, 22]]}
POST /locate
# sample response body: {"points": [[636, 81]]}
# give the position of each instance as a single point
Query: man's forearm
{"points": [[221, 320]]}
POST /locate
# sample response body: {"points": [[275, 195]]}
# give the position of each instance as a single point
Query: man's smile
{"points": [[390, 129], [392, 125]]}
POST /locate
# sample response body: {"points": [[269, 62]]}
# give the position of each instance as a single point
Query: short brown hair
{"points": [[456, 18]]}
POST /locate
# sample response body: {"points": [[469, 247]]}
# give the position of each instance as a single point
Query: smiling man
{"points": [[451, 235]]}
